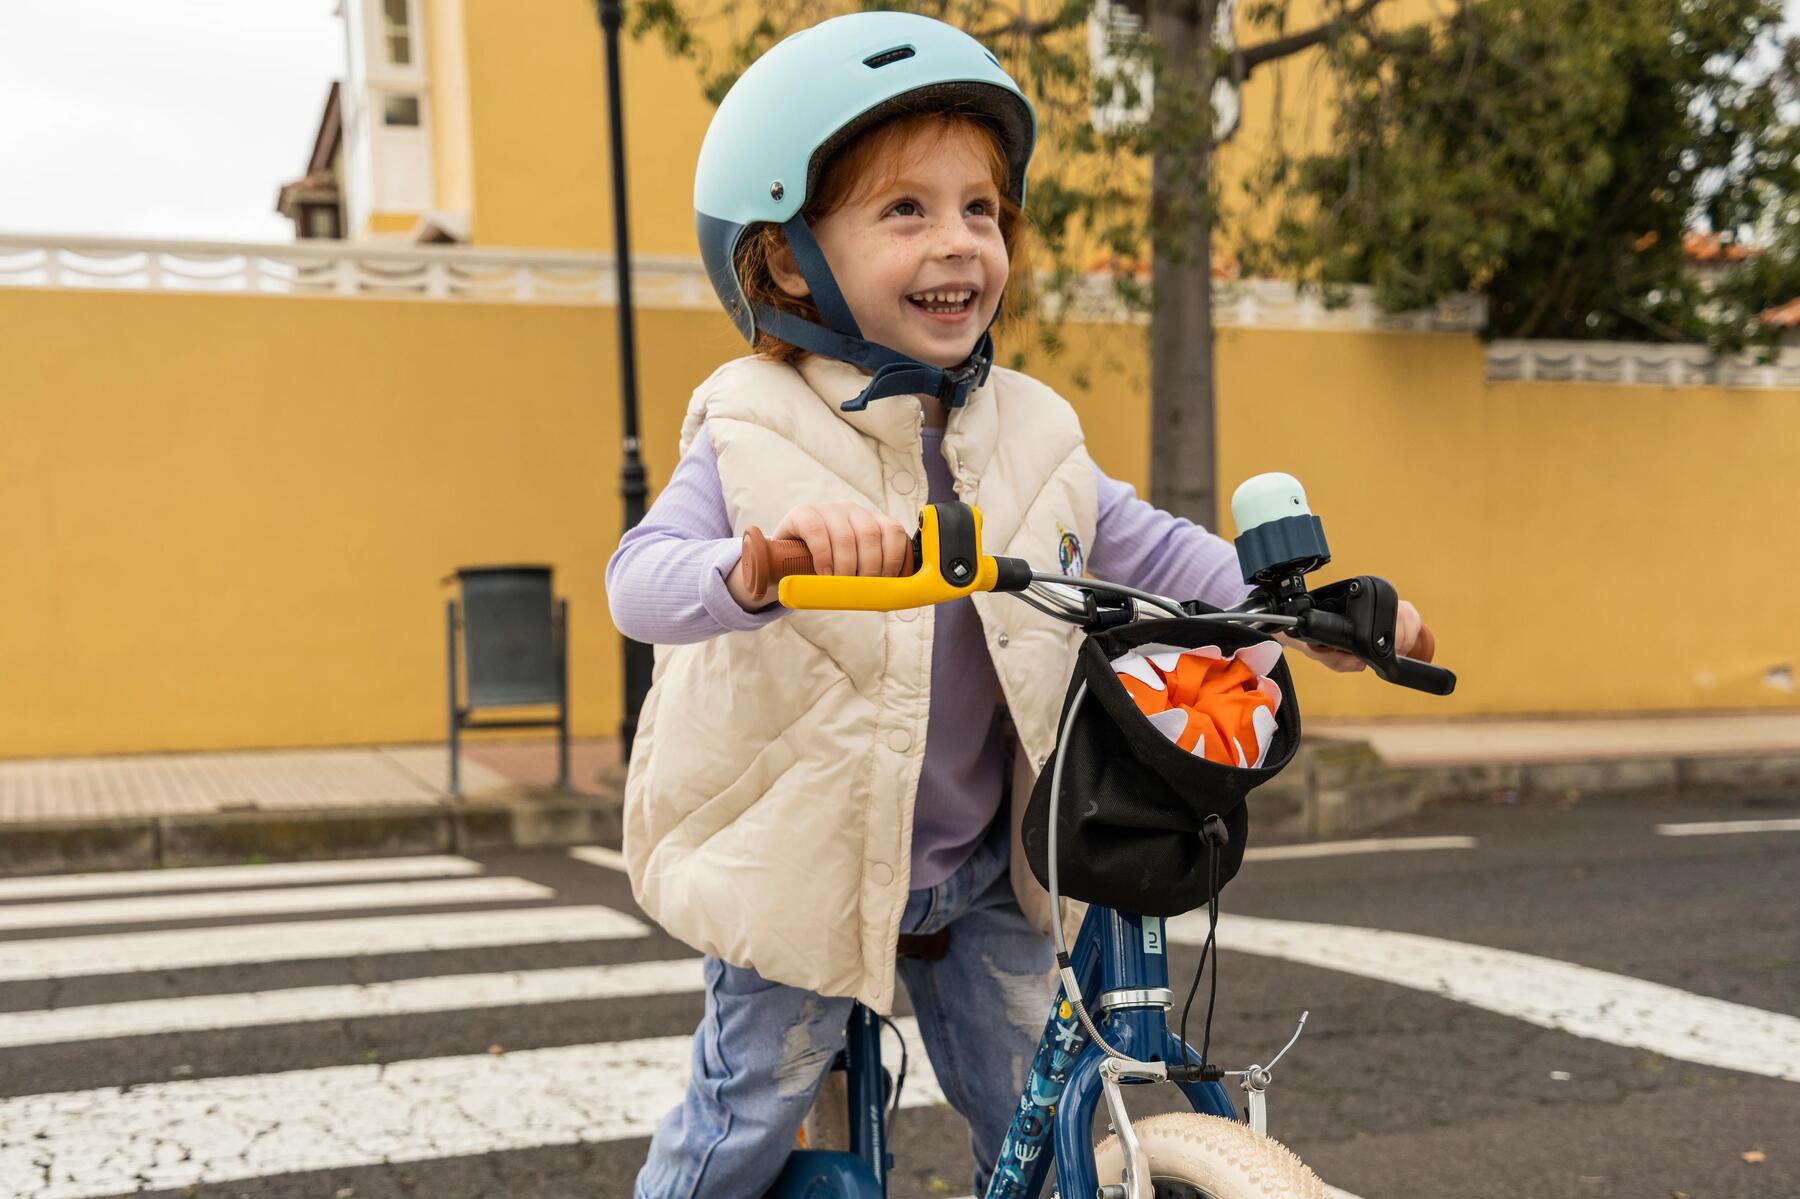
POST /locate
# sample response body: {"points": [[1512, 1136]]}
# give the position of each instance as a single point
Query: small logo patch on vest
{"points": [[1068, 553]]}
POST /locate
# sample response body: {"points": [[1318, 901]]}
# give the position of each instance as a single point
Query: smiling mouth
{"points": [[948, 302]]}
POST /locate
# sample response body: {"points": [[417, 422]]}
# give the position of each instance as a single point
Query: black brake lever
{"points": [[1357, 615]]}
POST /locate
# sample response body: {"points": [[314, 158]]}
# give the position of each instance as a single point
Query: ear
{"points": [[786, 271]]}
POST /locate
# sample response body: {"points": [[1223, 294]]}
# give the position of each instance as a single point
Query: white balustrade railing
{"points": [[1274, 304], [333, 268], [1637, 363]]}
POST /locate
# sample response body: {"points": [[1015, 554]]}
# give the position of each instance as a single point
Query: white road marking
{"points": [[146, 909], [1332, 849], [1708, 828], [81, 1144], [210, 878], [1330, 1190], [599, 855], [1543, 991], [413, 996], [185, 949]]}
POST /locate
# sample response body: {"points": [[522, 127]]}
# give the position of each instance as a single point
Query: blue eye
{"points": [[905, 208]]}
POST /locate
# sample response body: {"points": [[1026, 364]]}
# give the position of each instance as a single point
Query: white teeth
{"points": [[942, 297]]}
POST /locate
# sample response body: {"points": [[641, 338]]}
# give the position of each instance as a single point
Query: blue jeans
{"points": [[762, 1049]]}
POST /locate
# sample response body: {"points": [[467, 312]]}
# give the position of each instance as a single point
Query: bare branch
{"points": [[1249, 58]]}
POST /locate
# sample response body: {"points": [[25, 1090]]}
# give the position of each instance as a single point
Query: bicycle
{"points": [[1086, 1057]]}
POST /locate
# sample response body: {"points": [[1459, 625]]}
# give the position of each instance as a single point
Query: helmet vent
{"points": [[876, 61]]}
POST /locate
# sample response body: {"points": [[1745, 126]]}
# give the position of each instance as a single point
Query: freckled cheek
{"points": [[997, 272]]}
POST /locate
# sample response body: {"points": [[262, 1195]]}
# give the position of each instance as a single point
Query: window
{"points": [[396, 30], [400, 112], [1113, 26], [1116, 29]]}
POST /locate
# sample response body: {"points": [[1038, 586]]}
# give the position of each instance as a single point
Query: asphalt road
{"points": [[500, 1030]]}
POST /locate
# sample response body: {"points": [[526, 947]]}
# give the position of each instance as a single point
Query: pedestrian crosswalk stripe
{"points": [[1711, 828], [412, 996], [147, 909], [213, 878], [599, 855], [85, 1144], [1542, 991], [180, 949], [1333, 849]]}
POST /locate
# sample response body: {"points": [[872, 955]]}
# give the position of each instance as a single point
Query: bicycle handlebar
{"points": [[1355, 615]]}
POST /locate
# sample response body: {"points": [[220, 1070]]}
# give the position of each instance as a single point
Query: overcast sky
{"points": [[160, 118], [166, 118]]}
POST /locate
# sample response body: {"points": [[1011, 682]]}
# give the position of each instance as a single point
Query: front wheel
{"points": [[1193, 1155]]}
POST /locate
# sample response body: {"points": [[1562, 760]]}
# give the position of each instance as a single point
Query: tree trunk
{"points": [[1183, 460]]}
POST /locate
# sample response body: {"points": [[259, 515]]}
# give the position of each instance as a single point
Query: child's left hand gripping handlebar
{"points": [[946, 555]]}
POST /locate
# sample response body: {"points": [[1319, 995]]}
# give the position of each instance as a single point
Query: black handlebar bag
{"points": [[1132, 801]]}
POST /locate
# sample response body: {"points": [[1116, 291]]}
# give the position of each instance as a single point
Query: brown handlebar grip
{"points": [[768, 562]]}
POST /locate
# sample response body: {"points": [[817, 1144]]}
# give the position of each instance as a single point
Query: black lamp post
{"points": [[633, 488]]}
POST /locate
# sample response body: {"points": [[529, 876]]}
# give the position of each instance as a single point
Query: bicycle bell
{"points": [[1279, 539]]}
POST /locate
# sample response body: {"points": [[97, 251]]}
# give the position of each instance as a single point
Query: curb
{"points": [[1344, 789], [1332, 789], [229, 838]]}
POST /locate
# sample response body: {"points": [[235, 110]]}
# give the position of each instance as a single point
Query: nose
{"points": [[956, 240]]}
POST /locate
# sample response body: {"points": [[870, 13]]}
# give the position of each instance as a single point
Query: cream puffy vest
{"points": [[769, 807]]}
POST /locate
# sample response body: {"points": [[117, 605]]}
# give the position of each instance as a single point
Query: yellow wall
{"points": [[539, 134], [226, 517], [391, 222]]}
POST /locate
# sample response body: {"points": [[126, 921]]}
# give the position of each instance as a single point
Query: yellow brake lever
{"points": [[950, 566]]}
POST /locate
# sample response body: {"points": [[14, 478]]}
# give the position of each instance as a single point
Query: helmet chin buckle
{"points": [[954, 387]]}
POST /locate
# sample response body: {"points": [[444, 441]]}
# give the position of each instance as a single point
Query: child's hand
{"points": [[844, 538], [1412, 640]]}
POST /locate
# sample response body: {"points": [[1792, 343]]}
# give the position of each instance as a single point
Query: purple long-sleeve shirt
{"points": [[666, 585]]}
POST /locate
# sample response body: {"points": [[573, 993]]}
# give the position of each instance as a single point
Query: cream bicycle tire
{"points": [[1220, 1158]]}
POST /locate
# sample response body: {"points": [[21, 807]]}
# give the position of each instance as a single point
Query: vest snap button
{"points": [[882, 873], [903, 483], [907, 614], [899, 741], [1004, 641]]}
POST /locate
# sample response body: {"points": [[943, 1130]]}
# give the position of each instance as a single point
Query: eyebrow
{"points": [[909, 183]]}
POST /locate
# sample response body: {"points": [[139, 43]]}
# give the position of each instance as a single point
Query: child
{"points": [[812, 793]]}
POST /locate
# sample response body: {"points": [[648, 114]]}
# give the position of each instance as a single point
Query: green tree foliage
{"points": [[1551, 155]]}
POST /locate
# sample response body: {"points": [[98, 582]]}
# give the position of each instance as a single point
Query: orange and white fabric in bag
{"points": [[1215, 707]]}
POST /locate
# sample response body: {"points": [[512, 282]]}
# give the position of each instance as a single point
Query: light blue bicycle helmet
{"points": [[779, 125]]}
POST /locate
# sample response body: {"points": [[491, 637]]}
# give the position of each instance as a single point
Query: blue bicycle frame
{"points": [[1121, 963]]}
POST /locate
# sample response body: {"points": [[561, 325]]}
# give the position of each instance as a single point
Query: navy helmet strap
{"points": [[817, 273], [894, 373]]}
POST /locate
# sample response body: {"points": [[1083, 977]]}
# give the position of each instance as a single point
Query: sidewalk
{"points": [[142, 810], [192, 809], [1360, 775]]}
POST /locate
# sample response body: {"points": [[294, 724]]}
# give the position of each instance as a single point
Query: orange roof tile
{"points": [[1785, 315]]}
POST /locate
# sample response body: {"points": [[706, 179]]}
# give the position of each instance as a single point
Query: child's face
{"points": [[933, 232]]}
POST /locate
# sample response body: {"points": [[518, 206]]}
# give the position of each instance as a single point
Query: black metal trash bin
{"points": [[514, 653]]}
